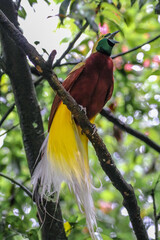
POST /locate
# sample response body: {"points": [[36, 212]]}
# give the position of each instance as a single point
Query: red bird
{"points": [[65, 150]]}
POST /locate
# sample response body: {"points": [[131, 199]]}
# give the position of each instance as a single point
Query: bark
{"points": [[25, 98], [16, 66]]}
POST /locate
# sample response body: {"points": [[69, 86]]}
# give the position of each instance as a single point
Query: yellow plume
{"points": [[65, 158]]}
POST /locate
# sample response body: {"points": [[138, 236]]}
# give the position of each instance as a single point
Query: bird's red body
{"points": [[91, 85]]}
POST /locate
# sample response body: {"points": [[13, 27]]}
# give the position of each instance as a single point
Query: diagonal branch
{"points": [[156, 217], [135, 48], [25, 189], [106, 161], [10, 129], [6, 114], [109, 115]]}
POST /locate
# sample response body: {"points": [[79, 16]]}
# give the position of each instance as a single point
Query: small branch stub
{"points": [[51, 58]]}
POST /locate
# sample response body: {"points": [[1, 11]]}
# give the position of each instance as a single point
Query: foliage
{"points": [[135, 101]]}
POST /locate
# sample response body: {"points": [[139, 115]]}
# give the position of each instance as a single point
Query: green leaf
{"points": [[82, 221], [157, 8], [101, 19], [2, 167], [32, 234], [64, 40], [72, 219], [110, 12], [15, 221], [63, 10], [48, 2], [31, 2], [110, 8], [4, 78], [45, 51], [117, 26], [73, 6], [132, 2], [147, 17], [37, 42], [141, 3], [104, 237], [157, 72], [57, 1], [142, 30], [119, 5], [22, 13]]}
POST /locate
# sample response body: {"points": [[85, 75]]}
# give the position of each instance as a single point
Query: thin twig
{"points": [[6, 114], [25, 189], [9, 130], [67, 63], [71, 44], [156, 217], [155, 214], [109, 115], [135, 48], [18, 3]]}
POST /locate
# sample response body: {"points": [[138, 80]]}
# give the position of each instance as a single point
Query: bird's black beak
{"points": [[110, 38]]}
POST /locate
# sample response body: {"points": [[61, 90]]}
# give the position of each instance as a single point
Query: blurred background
{"points": [[50, 25]]}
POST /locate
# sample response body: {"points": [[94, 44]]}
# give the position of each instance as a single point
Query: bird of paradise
{"points": [[64, 153]]}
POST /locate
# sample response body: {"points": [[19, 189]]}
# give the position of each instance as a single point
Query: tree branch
{"points": [[106, 161], [6, 114], [109, 115], [18, 3], [10, 129], [68, 63], [25, 189], [156, 217], [135, 48]]}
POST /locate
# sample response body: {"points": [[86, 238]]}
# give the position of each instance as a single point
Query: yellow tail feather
{"points": [[67, 147], [65, 158]]}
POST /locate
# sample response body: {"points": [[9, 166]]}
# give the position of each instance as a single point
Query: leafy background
{"points": [[135, 101]]}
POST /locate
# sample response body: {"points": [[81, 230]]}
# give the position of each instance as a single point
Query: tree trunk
{"points": [[30, 119]]}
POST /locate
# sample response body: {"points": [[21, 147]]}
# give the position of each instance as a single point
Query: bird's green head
{"points": [[106, 43]]}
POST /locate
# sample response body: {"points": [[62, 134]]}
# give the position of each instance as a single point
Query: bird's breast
{"points": [[95, 84]]}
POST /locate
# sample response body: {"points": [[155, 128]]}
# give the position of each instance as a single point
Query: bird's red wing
{"points": [[95, 85], [67, 84]]}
